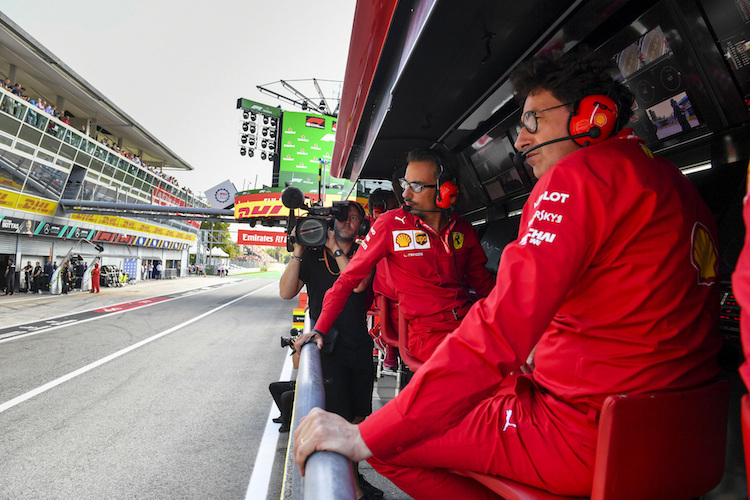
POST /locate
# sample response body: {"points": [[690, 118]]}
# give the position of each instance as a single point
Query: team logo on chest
{"points": [[458, 240], [410, 239]]}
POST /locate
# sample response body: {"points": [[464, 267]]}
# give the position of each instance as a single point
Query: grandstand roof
{"points": [[45, 76]]}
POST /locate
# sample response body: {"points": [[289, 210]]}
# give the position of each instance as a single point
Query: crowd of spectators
{"points": [[64, 116]]}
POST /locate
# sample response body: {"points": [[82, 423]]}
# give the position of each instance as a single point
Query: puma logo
{"points": [[402, 219], [508, 415]]}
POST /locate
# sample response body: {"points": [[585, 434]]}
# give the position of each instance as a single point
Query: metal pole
{"points": [[328, 474]]}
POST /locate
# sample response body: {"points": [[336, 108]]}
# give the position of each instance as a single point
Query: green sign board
{"points": [[257, 107], [307, 140]]}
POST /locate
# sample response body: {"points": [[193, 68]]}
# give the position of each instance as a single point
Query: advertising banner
{"points": [[19, 201], [263, 238], [307, 140], [262, 203], [111, 220]]}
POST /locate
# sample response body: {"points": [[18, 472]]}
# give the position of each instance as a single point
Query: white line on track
{"points": [[50, 385], [182, 295], [261, 475]]}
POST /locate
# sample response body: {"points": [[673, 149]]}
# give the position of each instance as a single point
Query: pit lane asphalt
{"points": [[179, 417]]}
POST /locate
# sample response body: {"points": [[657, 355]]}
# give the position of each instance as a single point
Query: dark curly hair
{"points": [[571, 77]]}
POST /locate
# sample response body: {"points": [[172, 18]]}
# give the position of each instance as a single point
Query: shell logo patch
{"points": [[458, 240], [403, 240], [600, 119], [410, 239], [704, 257]]}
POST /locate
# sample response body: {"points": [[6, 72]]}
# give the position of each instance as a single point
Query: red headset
{"points": [[593, 111], [446, 193]]}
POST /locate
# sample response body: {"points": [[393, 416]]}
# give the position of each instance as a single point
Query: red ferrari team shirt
{"points": [[741, 289], [428, 268], [613, 277]]}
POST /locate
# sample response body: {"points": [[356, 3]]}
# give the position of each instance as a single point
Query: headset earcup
{"points": [[364, 226], [447, 194], [594, 111]]}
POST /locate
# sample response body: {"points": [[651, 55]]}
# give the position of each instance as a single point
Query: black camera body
{"points": [[289, 341], [311, 231]]}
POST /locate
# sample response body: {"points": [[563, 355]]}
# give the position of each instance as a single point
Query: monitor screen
{"points": [[491, 157], [659, 80], [730, 21], [670, 116]]}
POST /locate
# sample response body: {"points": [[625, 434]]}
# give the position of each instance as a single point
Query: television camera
{"points": [[312, 230]]}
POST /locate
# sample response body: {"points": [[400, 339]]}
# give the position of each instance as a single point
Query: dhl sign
{"points": [[27, 203], [8, 199], [109, 220], [264, 204]]}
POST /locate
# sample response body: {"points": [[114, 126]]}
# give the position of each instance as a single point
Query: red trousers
{"points": [[95, 284], [424, 337], [519, 433]]}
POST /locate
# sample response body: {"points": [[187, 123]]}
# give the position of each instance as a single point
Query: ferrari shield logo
{"points": [[458, 240]]}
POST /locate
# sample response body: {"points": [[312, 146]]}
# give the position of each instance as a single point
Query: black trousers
{"points": [[283, 394]]}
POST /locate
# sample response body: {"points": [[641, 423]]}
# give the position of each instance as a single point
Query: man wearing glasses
{"points": [[614, 279], [434, 258]]}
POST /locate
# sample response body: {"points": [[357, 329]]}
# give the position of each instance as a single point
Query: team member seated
{"points": [[613, 277]]}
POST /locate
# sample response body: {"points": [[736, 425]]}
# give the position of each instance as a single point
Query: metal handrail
{"points": [[328, 475]]}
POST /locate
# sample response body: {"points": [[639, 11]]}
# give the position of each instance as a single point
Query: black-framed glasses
{"points": [[417, 187], [529, 119]]}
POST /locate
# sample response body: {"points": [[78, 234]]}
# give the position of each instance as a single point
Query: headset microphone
{"points": [[408, 208], [519, 158]]}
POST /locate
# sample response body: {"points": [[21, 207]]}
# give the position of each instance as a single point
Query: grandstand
{"points": [[61, 139]]}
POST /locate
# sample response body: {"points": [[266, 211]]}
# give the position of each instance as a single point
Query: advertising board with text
{"points": [[263, 238], [307, 139]]}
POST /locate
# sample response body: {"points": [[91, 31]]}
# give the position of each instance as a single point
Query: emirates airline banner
{"points": [[263, 238]]}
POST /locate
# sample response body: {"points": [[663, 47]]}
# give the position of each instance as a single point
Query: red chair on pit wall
{"points": [[666, 445]]}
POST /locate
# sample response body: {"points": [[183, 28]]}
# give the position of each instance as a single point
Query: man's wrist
{"points": [[338, 253]]}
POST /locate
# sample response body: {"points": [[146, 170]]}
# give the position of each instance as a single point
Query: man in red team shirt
{"points": [[433, 257], [613, 278]]}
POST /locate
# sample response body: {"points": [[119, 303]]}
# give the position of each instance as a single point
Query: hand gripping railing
{"points": [[328, 475]]}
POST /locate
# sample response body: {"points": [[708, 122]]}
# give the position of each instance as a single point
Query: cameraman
{"points": [[348, 370]]}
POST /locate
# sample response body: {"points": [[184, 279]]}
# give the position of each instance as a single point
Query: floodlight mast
{"points": [[302, 101]]}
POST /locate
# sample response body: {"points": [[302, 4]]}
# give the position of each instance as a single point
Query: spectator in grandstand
{"points": [[433, 255], [6, 84], [613, 278], [346, 362]]}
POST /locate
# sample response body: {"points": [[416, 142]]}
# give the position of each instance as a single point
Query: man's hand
{"points": [[331, 243], [529, 367], [321, 430], [302, 339]]}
